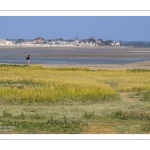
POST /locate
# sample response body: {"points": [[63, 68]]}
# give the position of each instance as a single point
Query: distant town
{"points": [[39, 41], [76, 42]]}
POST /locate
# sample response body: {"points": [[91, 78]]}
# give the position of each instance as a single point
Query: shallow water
{"points": [[83, 56]]}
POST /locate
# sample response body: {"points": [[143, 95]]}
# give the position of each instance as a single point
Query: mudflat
{"points": [[110, 58]]}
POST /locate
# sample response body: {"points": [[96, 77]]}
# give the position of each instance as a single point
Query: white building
{"points": [[29, 42], [6, 42], [115, 43]]}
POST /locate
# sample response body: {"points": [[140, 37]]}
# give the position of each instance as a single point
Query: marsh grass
{"points": [[38, 124], [37, 84], [26, 84], [70, 100], [134, 118], [129, 115], [144, 95]]}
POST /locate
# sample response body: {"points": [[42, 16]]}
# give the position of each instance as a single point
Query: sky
{"points": [[120, 28]]}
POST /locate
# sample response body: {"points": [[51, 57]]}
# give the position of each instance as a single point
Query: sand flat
{"points": [[138, 65], [110, 58]]}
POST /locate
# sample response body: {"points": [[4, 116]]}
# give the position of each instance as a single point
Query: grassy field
{"points": [[56, 100]]}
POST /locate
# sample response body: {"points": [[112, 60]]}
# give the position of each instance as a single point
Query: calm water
{"points": [[83, 56]]}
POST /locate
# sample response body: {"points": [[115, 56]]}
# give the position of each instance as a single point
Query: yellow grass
{"points": [[37, 84]]}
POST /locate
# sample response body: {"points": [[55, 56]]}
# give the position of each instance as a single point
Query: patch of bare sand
{"points": [[127, 96], [138, 65], [101, 128]]}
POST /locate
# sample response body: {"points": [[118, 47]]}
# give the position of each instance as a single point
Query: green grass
{"points": [[72, 100], [144, 95], [38, 124]]}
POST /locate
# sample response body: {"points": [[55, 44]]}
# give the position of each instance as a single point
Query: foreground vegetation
{"points": [[54, 100]]}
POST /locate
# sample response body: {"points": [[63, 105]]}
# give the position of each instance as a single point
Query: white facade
{"points": [[6, 42], [115, 43], [74, 43], [29, 42]]}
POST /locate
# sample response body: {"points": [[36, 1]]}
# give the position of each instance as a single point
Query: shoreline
{"points": [[34, 47], [62, 46], [137, 65]]}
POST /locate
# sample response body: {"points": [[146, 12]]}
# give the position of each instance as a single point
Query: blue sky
{"points": [[126, 28]]}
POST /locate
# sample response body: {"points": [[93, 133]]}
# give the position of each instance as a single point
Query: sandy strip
{"points": [[138, 65]]}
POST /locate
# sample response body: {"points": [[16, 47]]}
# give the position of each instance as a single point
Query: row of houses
{"points": [[60, 42], [6, 42]]}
